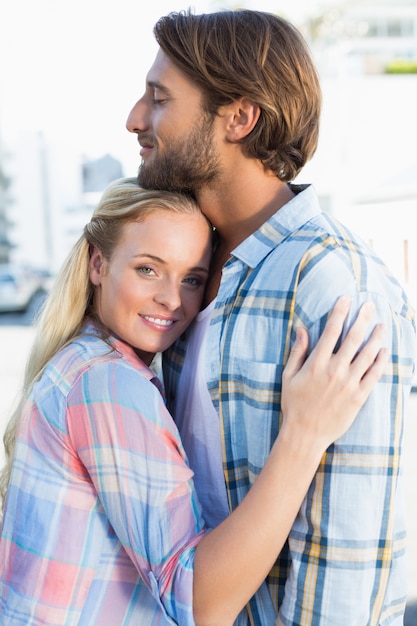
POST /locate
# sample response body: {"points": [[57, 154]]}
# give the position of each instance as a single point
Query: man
{"points": [[231, 114]]}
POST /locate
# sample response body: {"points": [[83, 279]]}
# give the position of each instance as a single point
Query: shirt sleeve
{"points": [[129, 444], [348, 540]]}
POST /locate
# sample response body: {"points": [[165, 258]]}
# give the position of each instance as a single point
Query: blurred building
{"points": [[50, 183], [98, 173], [371, 36], [5, 201], [365, 168]]}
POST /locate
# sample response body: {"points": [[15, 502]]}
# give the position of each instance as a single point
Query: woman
{"points": [[101, 523]]}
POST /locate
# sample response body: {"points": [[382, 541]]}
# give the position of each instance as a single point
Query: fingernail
{"points": [[368, 307], [345, 301]]}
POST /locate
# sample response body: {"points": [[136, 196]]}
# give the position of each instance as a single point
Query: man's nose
{"points": [[136, 120]]}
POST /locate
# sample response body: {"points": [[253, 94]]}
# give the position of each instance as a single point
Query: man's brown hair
{"points": [[260, 56]]}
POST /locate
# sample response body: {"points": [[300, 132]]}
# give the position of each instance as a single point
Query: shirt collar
{"points": [[288, 219], [126, 352]]}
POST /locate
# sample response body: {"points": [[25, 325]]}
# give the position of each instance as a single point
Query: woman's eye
{"points": [[144, 269], [194, 281]]}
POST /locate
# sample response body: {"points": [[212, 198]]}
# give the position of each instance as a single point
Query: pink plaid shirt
{"points": [[101, 519]]}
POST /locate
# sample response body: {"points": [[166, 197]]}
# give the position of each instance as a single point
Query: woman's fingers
{"points": [[363, 362], [333, 328], [298, 352], [357, 332], [374, 372], [356, 356], [323, 393], [365, 358], [353, 342]]}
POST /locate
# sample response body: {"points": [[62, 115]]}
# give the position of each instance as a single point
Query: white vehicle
{"points": [[19, 287]]}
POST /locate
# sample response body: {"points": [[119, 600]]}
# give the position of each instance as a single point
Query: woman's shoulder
{"points": [[105, 366]]}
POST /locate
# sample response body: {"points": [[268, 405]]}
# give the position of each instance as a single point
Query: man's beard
{"points": [[184, 167]]}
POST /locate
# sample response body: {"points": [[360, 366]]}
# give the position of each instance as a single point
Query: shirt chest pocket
{"points": [[250, 401]]}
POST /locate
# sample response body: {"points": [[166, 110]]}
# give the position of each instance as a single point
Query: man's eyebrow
{"points": [[157, 85]]}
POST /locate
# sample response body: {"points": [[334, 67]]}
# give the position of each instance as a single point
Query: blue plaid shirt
{"points": [[344, 562]]}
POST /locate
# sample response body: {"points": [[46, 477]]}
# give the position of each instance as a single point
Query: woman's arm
{"points": [[321, 398]]}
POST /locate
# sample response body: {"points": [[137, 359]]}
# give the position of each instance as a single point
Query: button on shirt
{"points": [[344, 563], [101, 518]]}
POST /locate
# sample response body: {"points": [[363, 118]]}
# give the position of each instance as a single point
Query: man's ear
{"points": [[241, 117], [96, 265]]}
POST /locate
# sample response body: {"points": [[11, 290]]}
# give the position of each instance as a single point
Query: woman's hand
{"points": [[322, 394]]}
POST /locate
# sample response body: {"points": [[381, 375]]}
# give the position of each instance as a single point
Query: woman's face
{"points": [[153, 286]]}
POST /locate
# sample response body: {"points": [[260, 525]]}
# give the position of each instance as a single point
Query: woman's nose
{"points": [[169, 295]]}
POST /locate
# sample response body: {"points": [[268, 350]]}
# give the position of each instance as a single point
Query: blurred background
{"points": [[71, 71]]}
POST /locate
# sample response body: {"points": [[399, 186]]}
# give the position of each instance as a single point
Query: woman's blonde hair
{"points": [[70, 300]]}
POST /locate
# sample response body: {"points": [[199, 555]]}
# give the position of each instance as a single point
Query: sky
{"points": [[73, 70]]}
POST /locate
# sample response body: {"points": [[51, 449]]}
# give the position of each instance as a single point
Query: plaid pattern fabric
{"points": [[344, 562], [101, 517]]}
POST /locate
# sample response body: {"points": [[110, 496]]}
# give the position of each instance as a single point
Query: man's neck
{"points": [[238, 209]]}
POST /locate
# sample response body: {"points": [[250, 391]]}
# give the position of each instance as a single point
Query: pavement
{"points": [[16, 340]]}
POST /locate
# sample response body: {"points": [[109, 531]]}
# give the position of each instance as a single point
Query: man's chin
{"points": [[146, 179], [154, 180]]}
